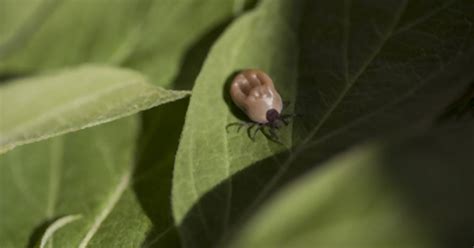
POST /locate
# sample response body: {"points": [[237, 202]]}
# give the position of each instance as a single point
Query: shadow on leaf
{"points": [[161, 130]]}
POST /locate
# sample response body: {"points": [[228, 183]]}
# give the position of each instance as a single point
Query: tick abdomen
{"points": [[253, 91]]}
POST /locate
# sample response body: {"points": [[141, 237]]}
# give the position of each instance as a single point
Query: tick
{"points": [[253, 91]]}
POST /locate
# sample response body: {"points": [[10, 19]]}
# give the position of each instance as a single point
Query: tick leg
{"points": [[285, 122], [271, 135], [259, 127], [285, 118], [249, 132], [266, 134], [239, 125], [274, 135]]}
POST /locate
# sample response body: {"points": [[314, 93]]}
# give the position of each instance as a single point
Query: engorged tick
{"points": [[254, 93]]}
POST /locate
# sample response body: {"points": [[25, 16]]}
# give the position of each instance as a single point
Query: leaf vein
{"points": [[56, 153], [56, 225], [109, 206], [425, 17], [269, 186]]}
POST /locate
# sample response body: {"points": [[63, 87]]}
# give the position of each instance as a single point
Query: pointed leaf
{"points": [[364, 69], [208, 155], [40, 107]]}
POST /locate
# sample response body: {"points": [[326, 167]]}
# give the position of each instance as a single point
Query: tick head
{"points": [[272, 115]]}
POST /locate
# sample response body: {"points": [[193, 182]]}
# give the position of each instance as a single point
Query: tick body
{"points": [[254, 93]]}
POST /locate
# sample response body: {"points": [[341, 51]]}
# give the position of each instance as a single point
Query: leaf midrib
{"points": [[110, 204], [56, 153], [353, 81], [282, 170]]}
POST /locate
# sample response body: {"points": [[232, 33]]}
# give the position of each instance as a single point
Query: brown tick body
{"points": [[254, 93]]}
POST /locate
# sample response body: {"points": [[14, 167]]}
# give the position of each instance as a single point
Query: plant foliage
{"points": [[101, 147]]}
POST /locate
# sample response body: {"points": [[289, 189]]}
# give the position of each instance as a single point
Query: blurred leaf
{"points": [[149, 35], [86, 173], [170, 31], [19, 16], [364, 69], [413, 192], [40, 107]]}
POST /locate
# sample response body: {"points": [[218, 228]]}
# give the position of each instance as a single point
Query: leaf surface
{"points": [[409, 192], [86, 174], [352, 71], [152, 36], [207, 154], [40, 107]]}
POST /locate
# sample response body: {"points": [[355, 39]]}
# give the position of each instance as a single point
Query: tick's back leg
{"points": [[259, 127], [274, 135], [249, 131], [239, 125]]}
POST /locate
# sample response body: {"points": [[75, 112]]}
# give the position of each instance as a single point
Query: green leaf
{"points": [[56, 225], [127, 225], [86, 173], [352, 71], [140, 216], [173, 32], [15, 15], [37, 108], [151, 36], [413, 192], [206, 154], [161, 129]]}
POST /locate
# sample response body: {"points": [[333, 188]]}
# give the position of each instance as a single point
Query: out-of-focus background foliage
{"points": [[113, 116]]}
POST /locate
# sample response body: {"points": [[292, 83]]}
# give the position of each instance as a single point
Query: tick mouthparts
{"points": [[272, 115]]}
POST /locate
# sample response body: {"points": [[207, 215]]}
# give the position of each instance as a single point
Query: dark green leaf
{"points": [[365, 68], [414, 192]]}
